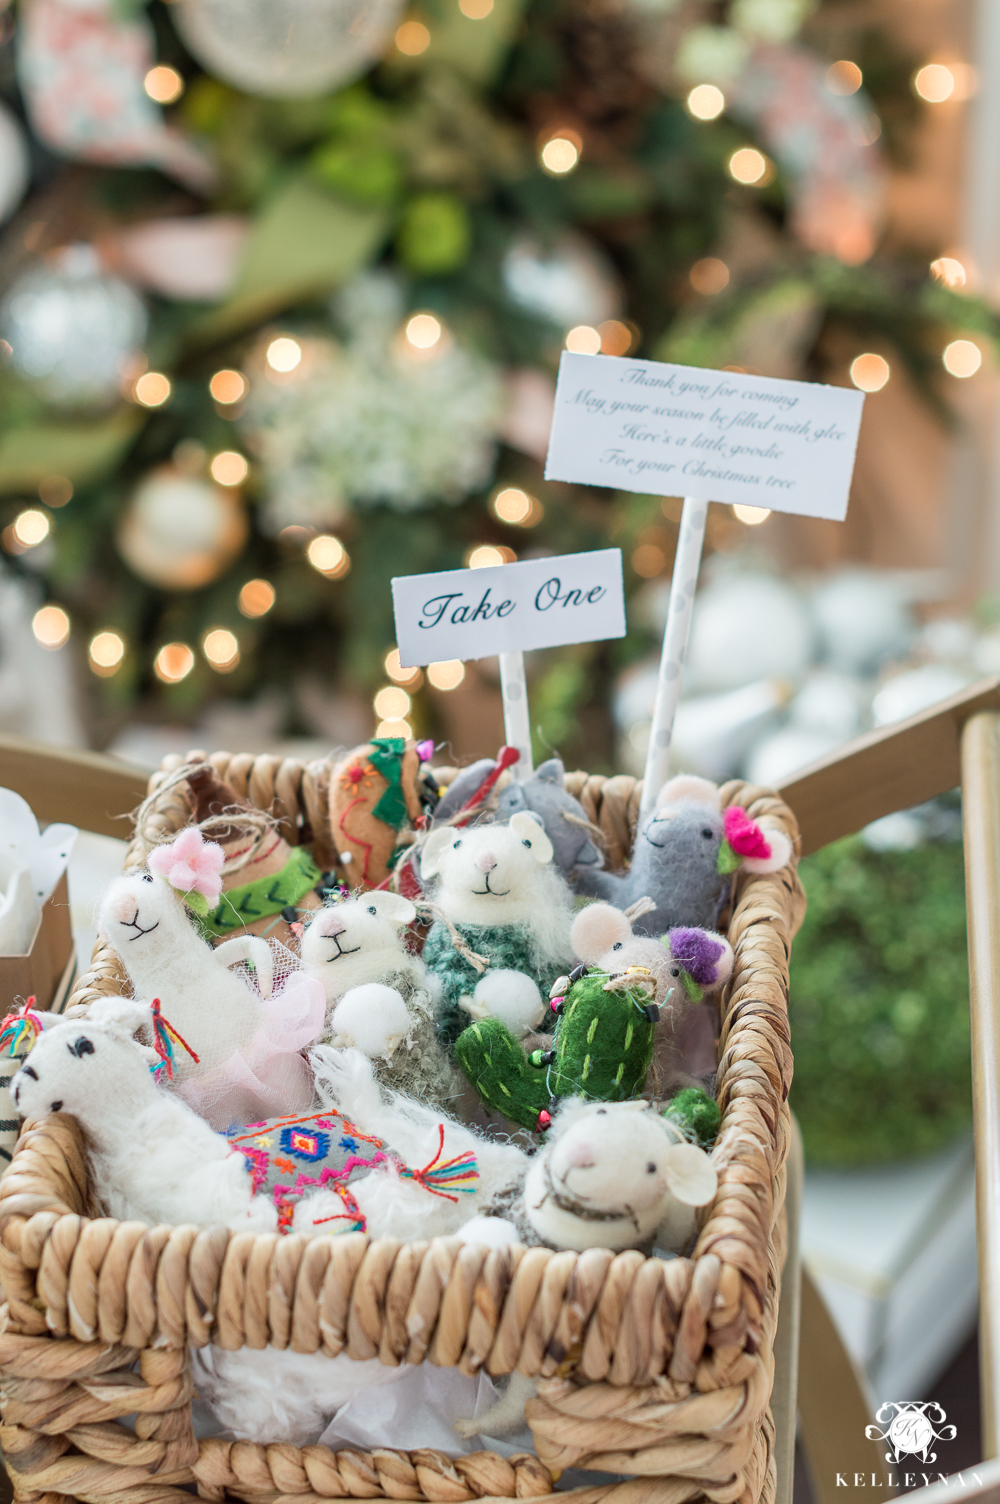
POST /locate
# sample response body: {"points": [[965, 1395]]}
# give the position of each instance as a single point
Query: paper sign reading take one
{"points": [[542, 603], [666, 430]]}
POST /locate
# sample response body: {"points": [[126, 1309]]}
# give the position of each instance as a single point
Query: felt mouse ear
{"points": [[781, 854], [689, 786], [434, 848], [392, 906], [751, 847], [705, 956], [551, 771], [596, 929], [690, 1175], [529, 827]]}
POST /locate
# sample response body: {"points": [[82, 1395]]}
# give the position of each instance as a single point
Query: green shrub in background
{"points": [[880, 1003]]}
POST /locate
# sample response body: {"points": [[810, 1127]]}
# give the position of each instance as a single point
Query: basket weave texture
{"points": [[660, 1370]]}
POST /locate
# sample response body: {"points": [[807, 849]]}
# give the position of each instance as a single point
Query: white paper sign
{"points": [[542, 603], [641, 425]]}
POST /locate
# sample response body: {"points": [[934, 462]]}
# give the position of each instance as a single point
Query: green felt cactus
{"points": [[696, 1114], [601, 1049]]}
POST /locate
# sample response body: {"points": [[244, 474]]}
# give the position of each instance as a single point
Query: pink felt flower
{"points": [[745, 835], [190, 864]]}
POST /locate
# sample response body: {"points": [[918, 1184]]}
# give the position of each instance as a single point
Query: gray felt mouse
{"points": [[685, 852]]}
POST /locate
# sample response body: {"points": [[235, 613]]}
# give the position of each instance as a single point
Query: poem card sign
{"points": [[542, 603], [666, 430]]}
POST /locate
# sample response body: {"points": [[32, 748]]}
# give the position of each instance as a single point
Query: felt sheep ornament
{"points": [[505, 926], [244, 1036], [377, 995], [685, 852], [607, 1013], [543, 792], [153, 1160], [610, 1175]]}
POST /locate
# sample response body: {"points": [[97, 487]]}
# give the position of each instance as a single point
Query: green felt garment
{"points": [[506, 947]]}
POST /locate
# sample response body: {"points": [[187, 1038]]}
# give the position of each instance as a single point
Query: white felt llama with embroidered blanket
{"points": [[244, 1029]]}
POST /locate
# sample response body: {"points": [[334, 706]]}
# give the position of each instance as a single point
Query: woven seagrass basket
{"points": [[659, 1370]]}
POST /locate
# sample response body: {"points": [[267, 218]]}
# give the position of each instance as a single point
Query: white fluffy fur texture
{"points": [[502, 874], [357, 941], [145, 922], [510, 996]]}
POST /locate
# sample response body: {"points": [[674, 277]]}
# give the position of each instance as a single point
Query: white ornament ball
{"points": [[285, 48], [915, 690], [786, 752], [15, 170], [746, 627], [180, 532], [570, 284], [862, 619], [73, 329], [831, 704], [712, 733]]}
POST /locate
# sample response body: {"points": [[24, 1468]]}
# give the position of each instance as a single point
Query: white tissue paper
{"points": [[31, 863], [418, 1410]]}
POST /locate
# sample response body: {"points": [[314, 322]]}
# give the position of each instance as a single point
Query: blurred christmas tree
{"points": [[285, 284]]}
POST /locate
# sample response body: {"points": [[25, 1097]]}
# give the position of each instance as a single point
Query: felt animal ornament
{"points": [[685, 853], [266, 884], [153, 1160], [505, 926], [572, 835], [607, 1013], [379, 794], [376, 993], [245, 1031], [609, 1175]]}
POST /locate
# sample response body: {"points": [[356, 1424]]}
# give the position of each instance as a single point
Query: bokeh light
{"points": [[706, 102], [163, 83], [962, 358], [950, 271], [616, 338], [411, 677], [485, 556], [517, 507], [870, 372], [106, 653], [648, 560], [228, 386], [476, 10], [394, 728], [413, 38], [934, 83], [173, 662], [446, 675], [229, 468], [283, 354], [152, 389], [748, 166], [583, 340], [709, 276], [55, 490], [222, 649], [751, 516], [32, 527], [844, 77], [256, 598], [560, 153], [392, 703], [423, 331], [329, 556], [50, 625]]}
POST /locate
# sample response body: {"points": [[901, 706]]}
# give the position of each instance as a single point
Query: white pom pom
{"points": [[510, 996], [373, 1018], [495, 1232]]}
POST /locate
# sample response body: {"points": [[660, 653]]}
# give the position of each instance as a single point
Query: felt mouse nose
{"points": [[580, 1156], [123, 908], [486, 861], [333, 927]]}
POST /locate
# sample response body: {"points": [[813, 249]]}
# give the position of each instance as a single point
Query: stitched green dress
{"points": [[506, 946]]}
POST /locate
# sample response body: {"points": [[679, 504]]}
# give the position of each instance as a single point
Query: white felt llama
{"points": [[243, 1035]]}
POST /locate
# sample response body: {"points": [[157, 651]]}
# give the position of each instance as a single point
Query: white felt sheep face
{"points": [[136, 911], [686, 962], [610, 1173], [488, 871], [74, 1064], [356, 941]]}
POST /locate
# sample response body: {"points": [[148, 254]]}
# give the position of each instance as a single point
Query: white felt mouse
{"points": [[504, 937], [377, 996]]}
